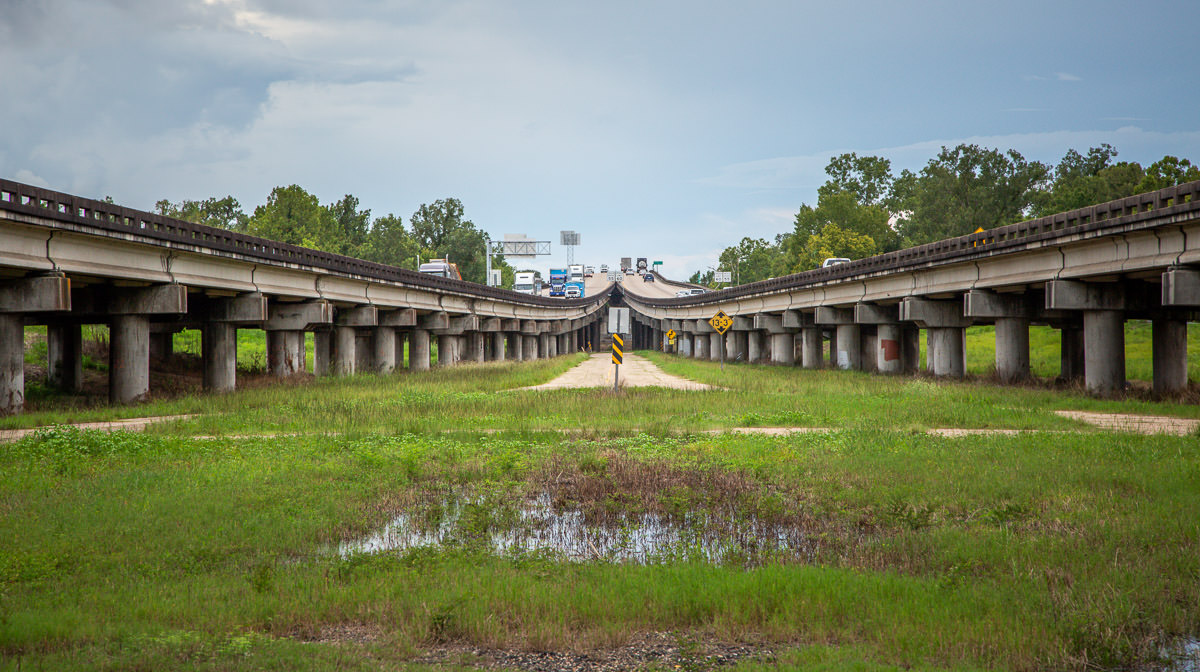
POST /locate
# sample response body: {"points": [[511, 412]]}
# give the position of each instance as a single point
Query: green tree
{"points": [[442, 232], [291, 215], [869, 178], [833, 241], [705, 278], [963, 189], [1080, 181], [346, 228], [388, 242], [1167, 172], [843, 209], [754, 259], [223, 213]]}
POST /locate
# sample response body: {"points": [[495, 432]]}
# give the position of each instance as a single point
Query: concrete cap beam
{"points": [[930, 313], [529, 328], [489, 324], [986, 304], [1181, 287], [874, 313], [510, 325], [795, 319], [742, 323], [298, 316], [1076, 295], [402, 317], [249, 308], [357, 316], [834, 315], [36, 294], [434, 321], [769, 323], [154, 300]]}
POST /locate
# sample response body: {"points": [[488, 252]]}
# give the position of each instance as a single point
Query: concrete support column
{"points": [[64, 356], [516, 346], [543, 349], [218, 340], [1012, 349], [888, 349], [684, 343], [1071, 353], [1104, 351], [445, 350], [910, 354], [364, 351], [129, 358], [868, 340], [475, 347], [714, 346], [944, 351], [322, 352], [401, 343], [810, 347], [285, 352], [848, 352], [12, 363], [754, 346], [783, 349], [741, 346], [499, 340], [418, 350], [700, 346], [529, 347], [1169, 342], [384, 345], [343, 355]]}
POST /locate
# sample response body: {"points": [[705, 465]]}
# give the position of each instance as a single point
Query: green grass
{"points": [[165, 550]]}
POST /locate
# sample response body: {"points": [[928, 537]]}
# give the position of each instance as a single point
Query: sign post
{"points": [[721, 323], [617, 359]]}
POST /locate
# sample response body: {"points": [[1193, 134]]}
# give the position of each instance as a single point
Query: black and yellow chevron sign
{"points": [[617, 345]]}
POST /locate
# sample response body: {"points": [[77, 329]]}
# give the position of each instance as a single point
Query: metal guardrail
{"points": [[88, 215], [1126, 214]]}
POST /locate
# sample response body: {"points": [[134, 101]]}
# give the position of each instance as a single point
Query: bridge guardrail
{"points": [[1090, 221], [101, 218]]}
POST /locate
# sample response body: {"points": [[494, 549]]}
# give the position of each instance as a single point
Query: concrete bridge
{"points": [[1083, 272], [66, 261]]}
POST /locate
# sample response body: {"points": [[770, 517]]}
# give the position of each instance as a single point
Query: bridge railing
{"points": [[1096, 220], [88, 215]]}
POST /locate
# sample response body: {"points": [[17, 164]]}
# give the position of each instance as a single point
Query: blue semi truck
{"points": [[558, 282]]}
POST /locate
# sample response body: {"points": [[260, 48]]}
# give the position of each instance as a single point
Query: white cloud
{"points": [[1067, 77]]}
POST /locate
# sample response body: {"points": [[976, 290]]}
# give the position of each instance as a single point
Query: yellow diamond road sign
{"points": [[721, 322], [671, 335]]}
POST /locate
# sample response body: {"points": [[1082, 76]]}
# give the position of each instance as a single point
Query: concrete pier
{"points": [[64, 356], [888, 350], [754, 345], [715, 346], [783, 349], [1012, 349], [218, 342], [344, 357], [418, 350], [129, 359], [383, 342], [499, 341], [1104, 351], [322, 352], [1169, 341], [945, 351], [849, 347], [12, 363]]}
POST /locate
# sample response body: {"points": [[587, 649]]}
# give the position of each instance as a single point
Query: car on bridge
{"points": [[649, 277], [690, 292], [604, 268], [834, 261]]}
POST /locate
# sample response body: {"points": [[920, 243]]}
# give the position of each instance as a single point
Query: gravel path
{"points": [[597, 371]]}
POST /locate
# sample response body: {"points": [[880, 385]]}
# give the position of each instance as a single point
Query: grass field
{"points": [[226, 541]]}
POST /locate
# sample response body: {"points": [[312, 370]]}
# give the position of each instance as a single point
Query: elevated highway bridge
{"points": [[66, 261]]}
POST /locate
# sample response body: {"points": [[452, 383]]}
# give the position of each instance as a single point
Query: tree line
{"points": [[292, 215], [863, 209]]}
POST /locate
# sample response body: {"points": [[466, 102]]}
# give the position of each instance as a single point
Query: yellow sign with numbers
{"points": [[721, 322]]}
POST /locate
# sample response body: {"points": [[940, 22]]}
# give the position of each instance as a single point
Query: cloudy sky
{"points": [[659, 129]]}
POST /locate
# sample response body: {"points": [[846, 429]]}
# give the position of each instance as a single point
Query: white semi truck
{"points": [[524, 282]]}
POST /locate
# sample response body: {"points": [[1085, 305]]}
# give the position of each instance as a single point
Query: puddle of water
{"points": [[642, 538], [1184, 656]]}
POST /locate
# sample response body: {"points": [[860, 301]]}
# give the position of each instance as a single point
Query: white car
{"points": [[573, 292], [834, 261], [697, 290], [682, 293]]}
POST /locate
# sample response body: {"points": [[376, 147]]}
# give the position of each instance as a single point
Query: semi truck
{"points": [[441, 268], [558, 281], [627, 265], [524, 282], [642, 266], [576, 273]]}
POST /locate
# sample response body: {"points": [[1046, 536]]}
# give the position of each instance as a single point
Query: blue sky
{"points": [[659, 129]]}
